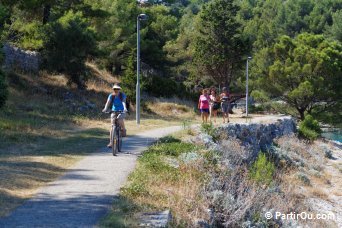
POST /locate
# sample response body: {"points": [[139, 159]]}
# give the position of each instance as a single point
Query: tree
{"points": [[160, 28], [304, 72], [335, 30], [263, 21], [180, 50], [219, 48], [129, 78], [117, 33], [69, 42], [26, 20], [3, 90], [3, 85]]}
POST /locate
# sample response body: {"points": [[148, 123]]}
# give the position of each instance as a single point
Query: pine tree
{"points": [[219, 48], [128, 80]]}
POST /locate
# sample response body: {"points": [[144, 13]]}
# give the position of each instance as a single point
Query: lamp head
{"points": [[249, 58], [142, 17]]}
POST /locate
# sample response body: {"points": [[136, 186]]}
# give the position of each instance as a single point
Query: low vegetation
{"points": [[262, 171], [3, 90], [309, 128], [46, 126], [202, 186]]}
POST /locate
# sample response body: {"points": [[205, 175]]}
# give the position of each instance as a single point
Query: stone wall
{"points": [[18, 59], [254, 137], [258, 136]]}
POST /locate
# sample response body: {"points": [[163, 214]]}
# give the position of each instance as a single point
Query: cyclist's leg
{"points": [[122, 126], [111, 129]]}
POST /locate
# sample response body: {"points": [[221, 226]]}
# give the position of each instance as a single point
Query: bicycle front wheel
{"points": [[114, 142], [119, 139]]}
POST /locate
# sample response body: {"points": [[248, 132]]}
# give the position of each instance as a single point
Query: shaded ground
{"points": [[84, 194]]}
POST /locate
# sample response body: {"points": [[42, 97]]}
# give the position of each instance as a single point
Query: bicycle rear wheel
{"points": [[114, 141]]}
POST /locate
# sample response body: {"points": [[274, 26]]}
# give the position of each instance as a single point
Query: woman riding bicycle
{"points": [[116, 102]]}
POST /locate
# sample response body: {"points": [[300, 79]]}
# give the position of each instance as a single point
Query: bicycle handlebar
{"points": [[110, 112]]}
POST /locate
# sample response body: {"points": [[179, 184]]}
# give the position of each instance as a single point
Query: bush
{"points": [[209, 129], [309, 128], [256, 109], [68, 43], [3, 90], [164, 87], [301, 176], [260, 96], [169, 139], [171, 148], [262, 170], [129, 79]]}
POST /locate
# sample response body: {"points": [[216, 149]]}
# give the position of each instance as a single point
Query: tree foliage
{"points": [[69, 41], [304, 71], [309, 128], [196, 43], [3, 90], [219, 48], [129, 78]]}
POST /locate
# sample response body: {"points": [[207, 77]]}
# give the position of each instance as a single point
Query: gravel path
{"points": [[84, 194]]}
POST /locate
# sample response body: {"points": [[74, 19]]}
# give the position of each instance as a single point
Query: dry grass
{"points": [[325, 185], [21, 177], [228, 189], [173, 108], [156, 185], [184, 198], [41, 136], [320, 193]]}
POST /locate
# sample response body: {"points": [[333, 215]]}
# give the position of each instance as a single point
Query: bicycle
{"points": [[116, 138]]}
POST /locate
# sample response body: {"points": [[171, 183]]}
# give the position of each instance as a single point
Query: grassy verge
{"points": [[189, 180], [170, 174], [43, 132]]}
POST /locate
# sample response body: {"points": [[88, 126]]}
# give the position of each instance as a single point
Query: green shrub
{"points": [[209, 129], [255, 109], [308, 133], [69, 41], [3, 90], [260, 96], [31, 34], [134, 189], [301, 176], [170, 148], [129, 79], [309, 128], [262, 170], [164, 87], [169, 139], [283, 108]]}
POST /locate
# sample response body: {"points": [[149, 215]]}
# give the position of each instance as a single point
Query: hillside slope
{"points": [[48, 125]]}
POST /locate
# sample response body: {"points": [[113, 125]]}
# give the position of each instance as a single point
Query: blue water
{"points": [[333, 135]]}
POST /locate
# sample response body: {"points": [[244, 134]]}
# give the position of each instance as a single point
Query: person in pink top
{"points": [[203, 105]]}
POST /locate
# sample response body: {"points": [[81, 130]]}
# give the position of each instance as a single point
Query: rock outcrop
{"points": [[258, 136]]}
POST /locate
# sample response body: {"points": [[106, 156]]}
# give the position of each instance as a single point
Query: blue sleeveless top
{"points": [[117, 103]]}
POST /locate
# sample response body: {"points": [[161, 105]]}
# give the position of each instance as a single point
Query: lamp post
{"points": [[248, 58], [141, 17]]}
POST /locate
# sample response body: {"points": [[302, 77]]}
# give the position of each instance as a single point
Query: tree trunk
{"points": [[46, 13], [301, 113]]}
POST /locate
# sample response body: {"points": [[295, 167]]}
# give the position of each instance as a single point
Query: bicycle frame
{"points": [[116, 139]]}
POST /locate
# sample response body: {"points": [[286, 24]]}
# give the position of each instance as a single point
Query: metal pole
{"points": [[247, 88], [138, 74]]}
